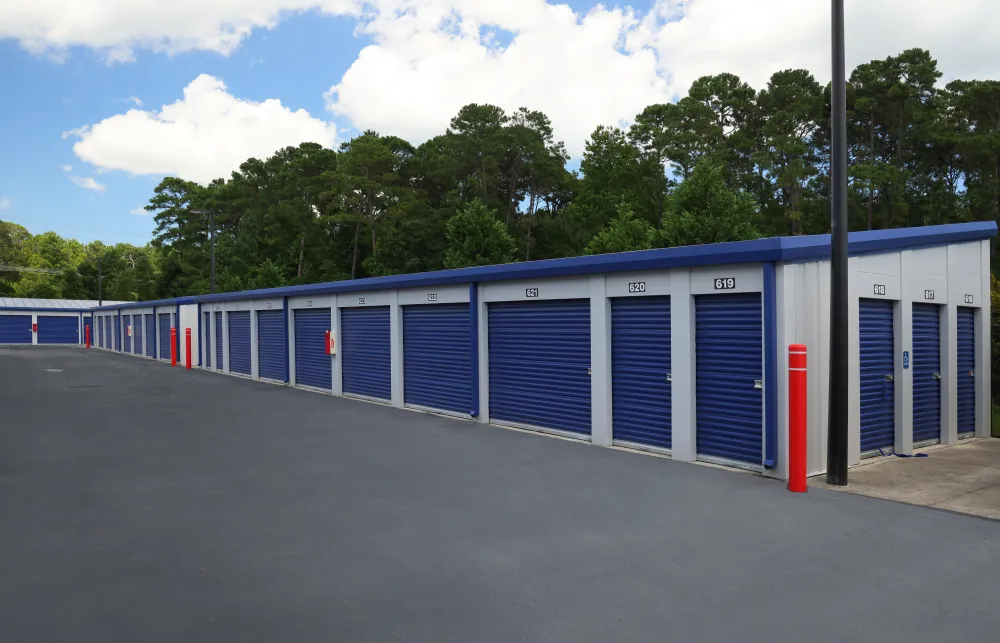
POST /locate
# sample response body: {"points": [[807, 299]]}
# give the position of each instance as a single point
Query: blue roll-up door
{"points": [[640, 370], [436, 362], [364, 351], [100, 331], [164, 335], [966, 370], [150, 335], [239, 342], [272, 356], [206, 345], [15, 329], [926, 373], [539, 358], [118, 333], [218, 341], [729, 377], [58, 330], [126, 324], [137, 345], [313, 367], [878, 387], [108, 333]]}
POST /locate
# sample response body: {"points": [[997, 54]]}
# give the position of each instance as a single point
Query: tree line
{"points": [[725, 162]]}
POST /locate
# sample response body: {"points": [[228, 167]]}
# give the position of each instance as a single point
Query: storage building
{"points": [[28, 321], [678, 351]]}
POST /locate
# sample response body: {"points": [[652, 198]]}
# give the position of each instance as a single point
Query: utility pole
{"points": [[836, 451]]}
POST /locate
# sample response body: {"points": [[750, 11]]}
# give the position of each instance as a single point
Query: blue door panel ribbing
{"points": [[436, 369], [206, 346], [108, 333], [137, 345], [150, 335], [966, 370], [57, 330], [313, 367], [364, 349], [15, 329], [218, 341], [239, 342], [539, 358], [878, 424], [99, 338], [118, 333], [640, 370], [164, 320], [729, 363], [271, 354], [926, 373], [126, 324]]}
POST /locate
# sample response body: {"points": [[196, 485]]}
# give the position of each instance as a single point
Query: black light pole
{"points": [[211, 244], [836, 450]]}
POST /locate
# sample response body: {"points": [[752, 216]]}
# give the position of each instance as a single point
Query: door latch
{"points": [[937, 376], [670, 378], [588, 371], [972, 373], [758, 384], [890, 378]]}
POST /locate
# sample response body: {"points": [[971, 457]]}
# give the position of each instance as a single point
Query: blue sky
{"points": [[73, 66]]}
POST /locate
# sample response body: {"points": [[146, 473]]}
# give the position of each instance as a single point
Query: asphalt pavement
{"points": [[143, 503]]}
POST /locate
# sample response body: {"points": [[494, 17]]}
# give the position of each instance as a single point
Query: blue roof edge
{"points": [[815, 247]]}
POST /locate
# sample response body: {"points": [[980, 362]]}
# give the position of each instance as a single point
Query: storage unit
{"points": [[437, 372], [313, 366], [15, 329], [137, 345], [365, 352], [163, 334], [58, 329], [272, 350], [100, 331], [109, 332], [239, 342], [730, 378], [640, 371], [966, 370], [150, 322], [127, 332], [926, 374], [878, 375], [206, 347], [118, 333], [539, 364], [219, 347]]}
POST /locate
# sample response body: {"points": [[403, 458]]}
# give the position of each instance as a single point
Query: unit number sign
{"points": [[432, 297], [531, 292], [725, 283], [969, 299], [880, 289], [929, 295], [637, 286]]}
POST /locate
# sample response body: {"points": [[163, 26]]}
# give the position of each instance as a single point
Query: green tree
{"points": [[703, 209], [475, 237], [623, 233]]}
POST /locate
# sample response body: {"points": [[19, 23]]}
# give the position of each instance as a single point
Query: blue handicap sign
{"points": [[906, 359]]}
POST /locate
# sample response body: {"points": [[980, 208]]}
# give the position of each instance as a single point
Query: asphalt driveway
{"points": [[150, 504]]}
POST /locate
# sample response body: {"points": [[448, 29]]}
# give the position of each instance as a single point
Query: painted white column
{"points": [[600, 363], [683, 419], [949, 371], [396, 348], [903, 331], [34, 324], [853, 364], [225, 341], [484, 360], [338, 372], [290, 316], [984, 370], [254, 366]]}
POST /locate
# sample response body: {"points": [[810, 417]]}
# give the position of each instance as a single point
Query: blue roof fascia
{"points": [[789, 249], [29, 309]]}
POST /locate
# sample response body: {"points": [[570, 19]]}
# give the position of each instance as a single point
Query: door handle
{"points": [[890, 378], [670, 378], [937, 376], [758, 384]]}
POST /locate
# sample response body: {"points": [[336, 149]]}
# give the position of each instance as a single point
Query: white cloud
{"points": [[204, 136], [88, 183], [135, 100], [4, 203], [66, 168], [139, 212]]}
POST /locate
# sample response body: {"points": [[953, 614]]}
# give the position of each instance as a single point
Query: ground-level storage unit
{"points": [[966, 388], [118, 333], [206, 347], [239, 342], [365, 352], [127, 332], [15, 329], [137, 323], [313, 364], [150, 323], [640, 371], [437, 371], [272, 351], [926, 373], [58, 330], [163, 335], [878, 376], [219, 346], [539, 364]]}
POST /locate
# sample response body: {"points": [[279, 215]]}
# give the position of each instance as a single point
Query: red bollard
{"points": [[86, 332], [187, 348], [173, 347], [326, 341], [797, 404]]}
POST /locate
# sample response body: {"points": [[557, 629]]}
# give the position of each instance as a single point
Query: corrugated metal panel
{"points": [[926, 373], [109, 332], [539, 362], [15, 329], [164, 335], [150, 335], [878, 424], [640, 370], [58, 330], [313, 367], [42, 304], [365, 349], [126, 324], [729, 377], [271, 354], [239, 342], [966, 370], [118, 333], [218, 342], [206, 345], [436, 363], [137, 345], [100, 332]]}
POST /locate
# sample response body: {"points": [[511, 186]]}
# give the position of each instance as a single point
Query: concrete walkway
{"points": [[963, 478]]}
